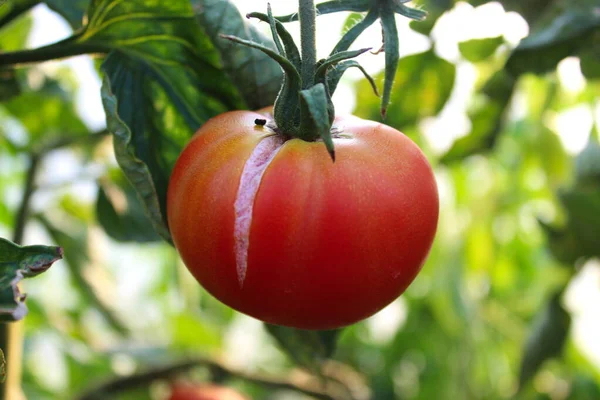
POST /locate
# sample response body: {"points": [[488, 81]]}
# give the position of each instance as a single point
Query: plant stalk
{"points": [[65, 48], [308, 22]]}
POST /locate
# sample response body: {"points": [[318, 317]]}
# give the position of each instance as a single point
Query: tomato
{"points": [[274, 229], [203, 392]]}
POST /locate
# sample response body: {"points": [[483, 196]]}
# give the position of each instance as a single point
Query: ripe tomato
{"points": [[203, 392], [276, 230]]}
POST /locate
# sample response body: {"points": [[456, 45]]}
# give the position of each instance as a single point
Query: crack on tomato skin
{"points": [[254, 169]]}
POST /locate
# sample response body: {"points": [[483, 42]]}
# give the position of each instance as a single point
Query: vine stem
{"points": [[308, 22], [11, 334], [68, 47]]}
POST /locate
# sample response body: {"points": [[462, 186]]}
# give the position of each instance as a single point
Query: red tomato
{"points": [[203, 392], [276, 230]]}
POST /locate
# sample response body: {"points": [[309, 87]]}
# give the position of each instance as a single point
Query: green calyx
{"points": [[303, 108], [385, 11]]}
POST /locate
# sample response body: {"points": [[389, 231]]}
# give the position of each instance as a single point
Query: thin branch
{"points": [[332, 390], [65, 48]]}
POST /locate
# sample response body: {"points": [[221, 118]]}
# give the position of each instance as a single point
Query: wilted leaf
{"points": [[255, 74], [307, 348], [120, 212], [476, 50], [422, 85], [546, 338], [162, 82], [18, 262], [486, 118]]}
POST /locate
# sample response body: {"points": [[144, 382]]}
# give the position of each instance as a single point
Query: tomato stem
{"points": [[308, 21]]}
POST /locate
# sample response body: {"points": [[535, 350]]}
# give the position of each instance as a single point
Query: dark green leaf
{"points": [[587, 163], [18, 262], [121, 214], [136, 170], [11, 10], [307, 348], [13, 37], [546, 338], [423, 84], [256, 75], [590, 60], [486, 118], [71, 10], [76, 258], [574, 29], [476, 50], [9, 85], [162, 82], [434, 8]]}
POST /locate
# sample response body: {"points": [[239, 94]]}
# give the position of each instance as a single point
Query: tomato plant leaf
{"points": [[307, 348], [435, 8], [486, 116], [71, 10], [18, 262], [546, 339], [573, 30], [163, 81], [426, 81], [120, 213], [590, 60], [256, 75], [476, 50], [10, 10], [13, 37], [76, 258], [135, 169]]}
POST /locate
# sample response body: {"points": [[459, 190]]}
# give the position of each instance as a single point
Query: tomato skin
{"points": [[182, 391], [330, 243]]}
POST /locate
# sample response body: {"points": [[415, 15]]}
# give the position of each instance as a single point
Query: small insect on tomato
{"points": [[273, 228]]}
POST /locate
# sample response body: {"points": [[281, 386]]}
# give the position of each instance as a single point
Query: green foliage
{"points": [[18, 262], [254, 74], [71, 10], [306, 348], [120, 213], [562, 32], [161, 84], [547, 338], [476, 50], [426, 82]]}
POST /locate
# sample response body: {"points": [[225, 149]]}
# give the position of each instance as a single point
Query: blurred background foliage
{"points": [[503, 308]]}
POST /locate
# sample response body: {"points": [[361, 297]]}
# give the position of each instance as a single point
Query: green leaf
{"points": [[434, 8], [18, 262], [486, 116], [256, 75], [307, 348], [13, 37], [476, 50], [120, 212], [546, 338], [574, 29], [11, 10], [587, 163], [75, 244], [162, 83], [423, 84], [136, 170], [71, 10], [9, 85], [47, 113], [590, 60]]}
